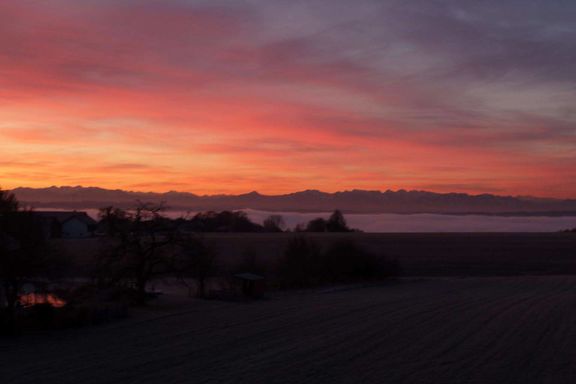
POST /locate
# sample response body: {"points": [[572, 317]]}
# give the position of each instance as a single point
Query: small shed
{"points": [[252, 285]]}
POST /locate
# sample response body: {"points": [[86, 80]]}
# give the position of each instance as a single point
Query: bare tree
{"points": [[195, 260], [142, 237]]}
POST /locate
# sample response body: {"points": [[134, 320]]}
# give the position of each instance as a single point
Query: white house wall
{"points": [[75, 228]]}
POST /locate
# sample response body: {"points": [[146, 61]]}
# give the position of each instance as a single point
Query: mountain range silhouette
{"points": [[354, 201]]}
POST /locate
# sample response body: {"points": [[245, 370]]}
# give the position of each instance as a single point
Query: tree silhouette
{"points": [[225, 221], [274, 223], [194, 259], [141, 237], [317, 225], [337, 223], [24, 254], [299, 266], [8, 202]]}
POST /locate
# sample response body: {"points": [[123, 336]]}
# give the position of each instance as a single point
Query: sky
{"points": [[230, 96]]}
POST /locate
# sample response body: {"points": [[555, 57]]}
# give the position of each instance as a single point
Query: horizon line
{"points": [[294, 192]]}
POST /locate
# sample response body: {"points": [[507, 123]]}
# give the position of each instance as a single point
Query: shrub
{"points": [[305, 264], [346, 260], [300, 266]]}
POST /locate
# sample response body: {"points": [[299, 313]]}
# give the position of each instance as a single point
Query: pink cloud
{"points": [[164, 95]]}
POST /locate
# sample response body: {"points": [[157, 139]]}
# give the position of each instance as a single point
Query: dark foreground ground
{"points": [[433, 330]]}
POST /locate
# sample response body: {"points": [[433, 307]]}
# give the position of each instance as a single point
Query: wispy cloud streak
{"points": [[228, 96]]}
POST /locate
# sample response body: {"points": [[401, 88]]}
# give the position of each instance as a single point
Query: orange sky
{"points": [[230, 97]]}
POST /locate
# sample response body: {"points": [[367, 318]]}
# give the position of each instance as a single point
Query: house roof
{"points": [[249, 276], [64, 216]]}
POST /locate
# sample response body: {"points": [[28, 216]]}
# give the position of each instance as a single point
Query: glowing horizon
{"points": [[245, 192], [222, 96]]}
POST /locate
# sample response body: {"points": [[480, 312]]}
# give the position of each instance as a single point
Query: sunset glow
{"points": [[278, 96]]}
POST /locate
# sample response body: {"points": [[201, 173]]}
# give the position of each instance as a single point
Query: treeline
{"points": [[233, 221], [141, 246], [335, 223]]}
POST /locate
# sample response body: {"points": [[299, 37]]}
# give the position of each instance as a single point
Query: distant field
{"points": [[512, 330], [424, 254]]}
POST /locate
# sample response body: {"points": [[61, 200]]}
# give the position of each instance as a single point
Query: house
{"points": [[67, 224]]}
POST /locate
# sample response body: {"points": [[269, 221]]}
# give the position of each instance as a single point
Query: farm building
{"points": [[67, 224]]}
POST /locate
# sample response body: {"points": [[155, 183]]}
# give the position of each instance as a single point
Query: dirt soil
{"points": [[432, 330]]}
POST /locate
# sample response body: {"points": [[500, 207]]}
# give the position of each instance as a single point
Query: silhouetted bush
{"points": [[274, 223], [225, 221], [335, 223], [89, 305], [45, 317], [316, 225], [37, 317], [305, 264], [300, 265], [346, 260]]}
